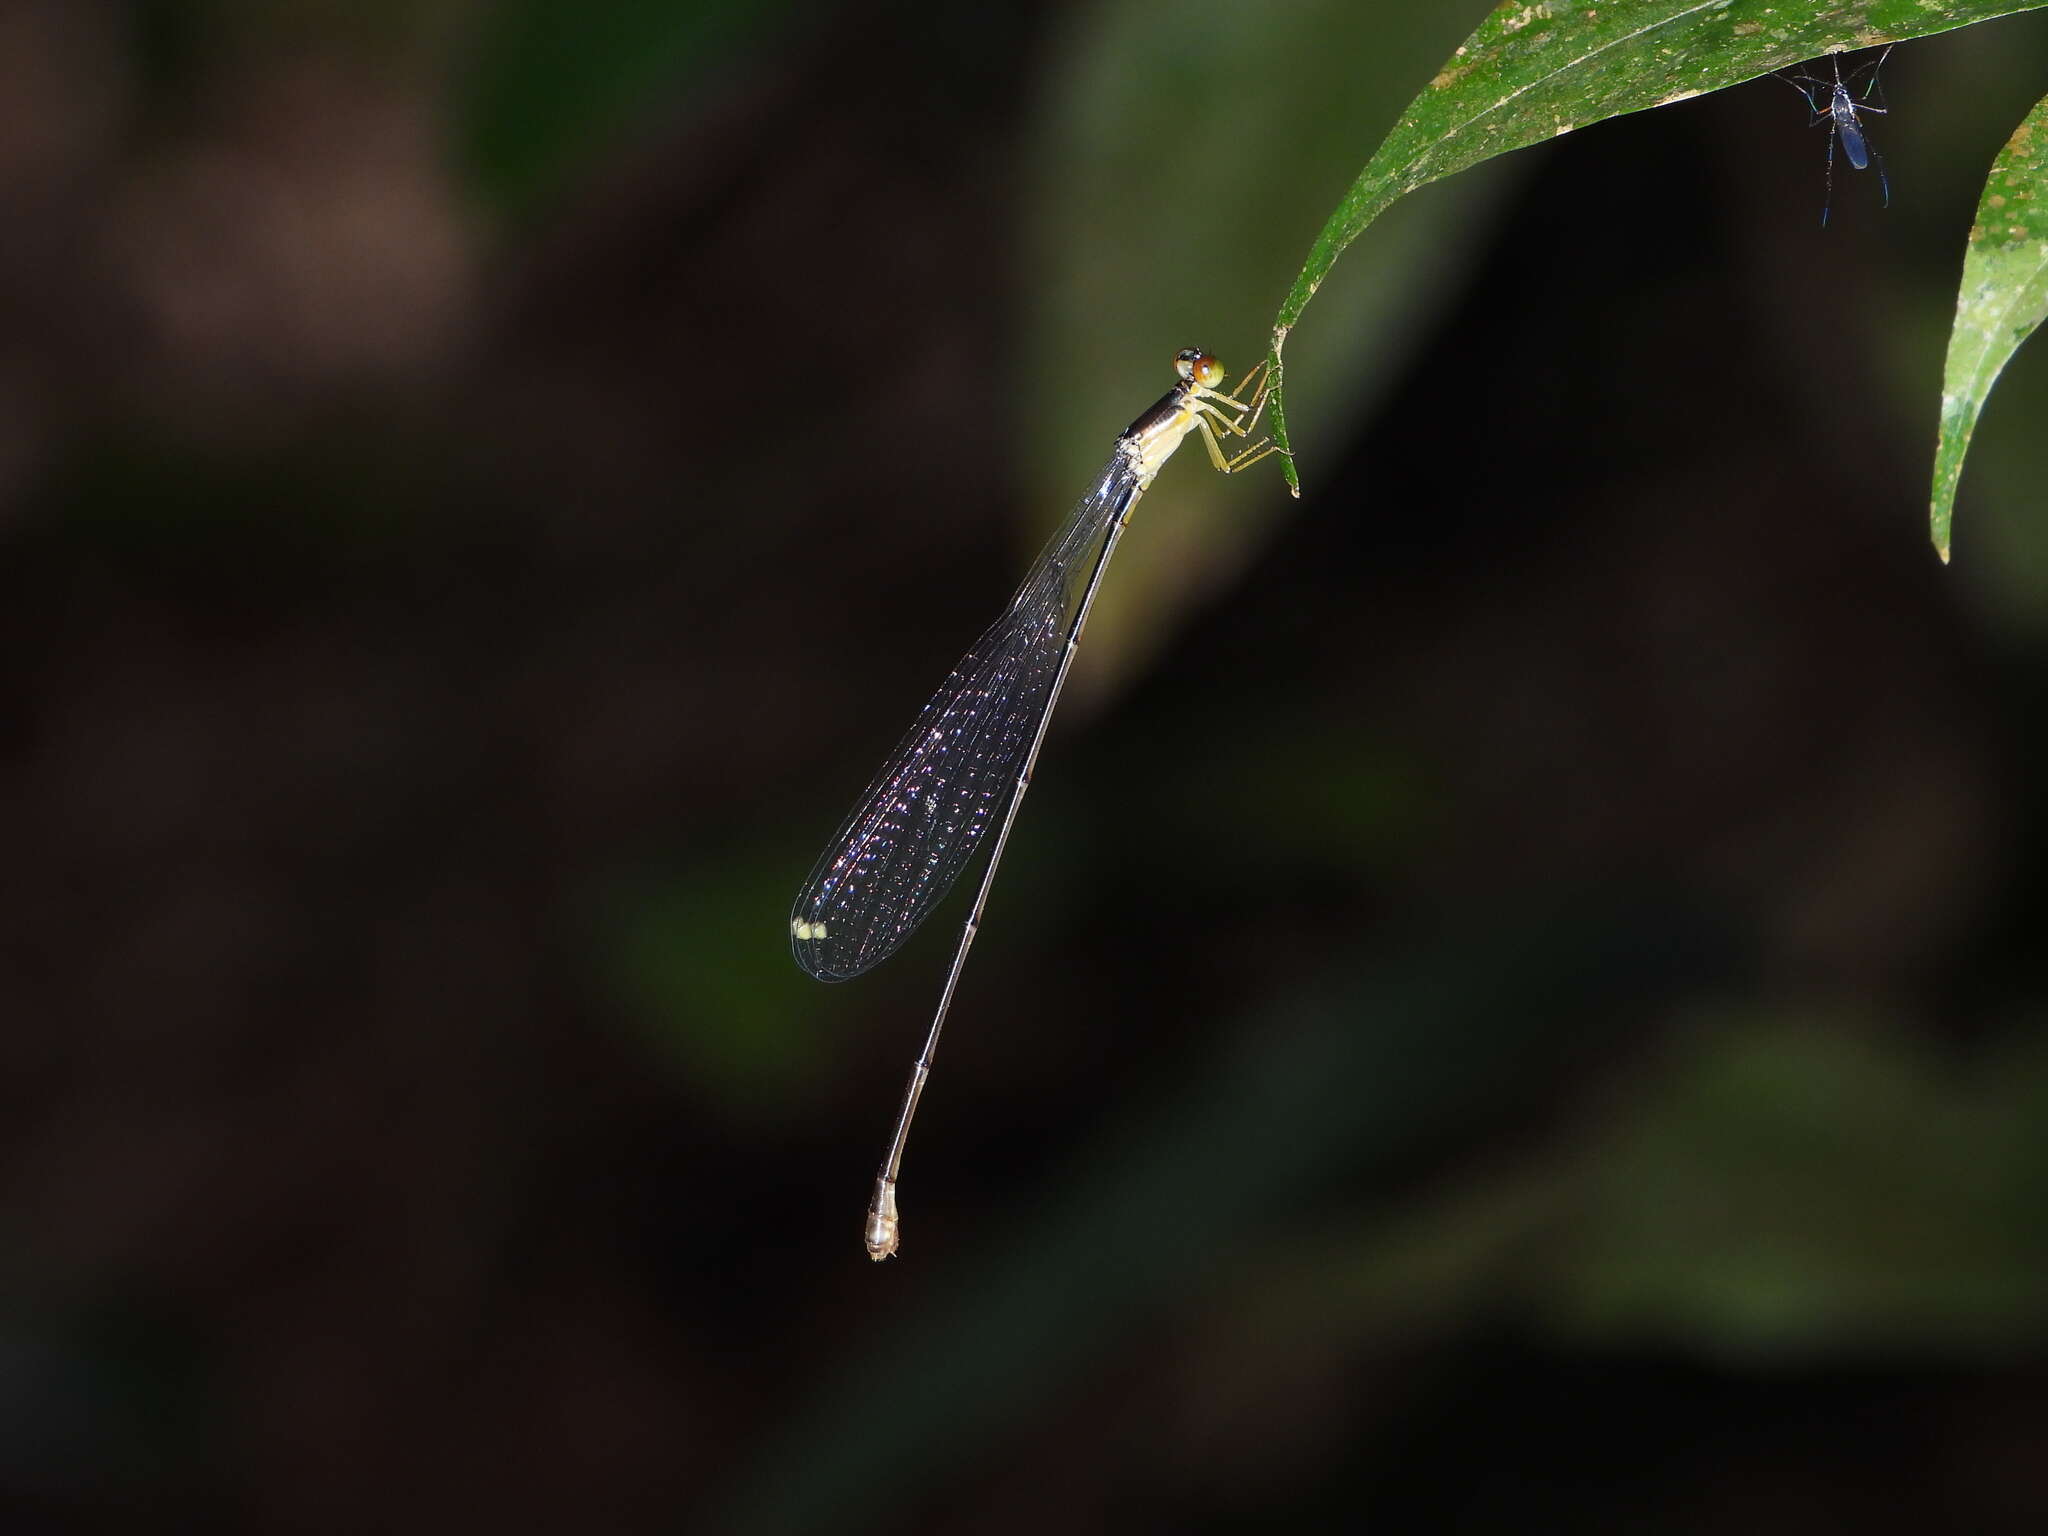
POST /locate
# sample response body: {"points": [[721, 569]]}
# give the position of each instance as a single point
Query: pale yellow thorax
{"points": [[1157, 442]]}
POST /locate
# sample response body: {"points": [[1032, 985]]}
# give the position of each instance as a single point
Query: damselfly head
{"points": [[1195, 364]]}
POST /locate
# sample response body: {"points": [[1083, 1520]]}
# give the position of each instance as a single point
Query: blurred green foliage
{"points": [[683, 956], [1793, 1188], [554, 89]]}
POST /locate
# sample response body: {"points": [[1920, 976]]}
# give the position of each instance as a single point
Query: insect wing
{"points": [[1853, 146], [948, 782]]}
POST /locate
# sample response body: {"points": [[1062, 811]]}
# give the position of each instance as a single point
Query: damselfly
{"points": [[1841, 116], [966, 763]]}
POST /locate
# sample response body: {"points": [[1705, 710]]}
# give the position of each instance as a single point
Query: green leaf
{"points": [[1532, 72], [2004, 295]]}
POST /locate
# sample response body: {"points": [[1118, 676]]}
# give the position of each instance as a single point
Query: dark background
{"points": [[1517, 997]]}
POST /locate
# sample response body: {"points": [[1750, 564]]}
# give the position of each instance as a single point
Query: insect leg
{"points": [[1828, 183]]}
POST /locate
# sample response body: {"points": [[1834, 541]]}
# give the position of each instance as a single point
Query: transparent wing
{"points": [[1854, 147], [948, 782]]}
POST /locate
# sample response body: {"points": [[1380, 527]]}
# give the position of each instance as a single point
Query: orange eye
{"points": [[1195, 364]]}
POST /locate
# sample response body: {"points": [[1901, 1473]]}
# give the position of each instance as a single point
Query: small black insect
{"points": [[1842, 115]]}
